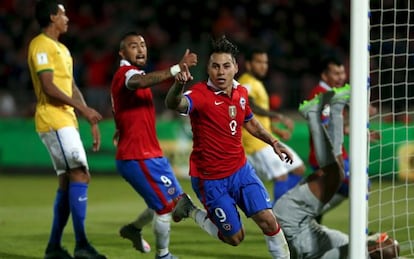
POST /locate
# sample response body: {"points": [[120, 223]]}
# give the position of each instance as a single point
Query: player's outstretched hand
{"points": [[91, 115], [189, 58], [282, 152], [184, 76], [96, 136]]}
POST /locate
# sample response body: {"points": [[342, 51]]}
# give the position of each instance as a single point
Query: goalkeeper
{"points": [[297, 209]]}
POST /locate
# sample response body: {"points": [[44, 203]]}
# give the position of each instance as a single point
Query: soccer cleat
{"points": [[134, 235], [342, 94], [87, 252], [183, 208], [316, 104], [57, 253], [167, 256]]}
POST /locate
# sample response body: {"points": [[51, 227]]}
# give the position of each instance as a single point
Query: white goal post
{"points": [[359, 67], [382, 74]]}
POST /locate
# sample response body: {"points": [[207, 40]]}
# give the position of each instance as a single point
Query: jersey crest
{"points": [[232, 111]]}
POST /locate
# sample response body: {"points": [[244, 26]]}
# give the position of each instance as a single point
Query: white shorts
{"points": [[268, 164], [65, 149]]}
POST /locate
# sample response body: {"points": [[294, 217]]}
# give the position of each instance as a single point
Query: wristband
{"points": [[174, 70]]}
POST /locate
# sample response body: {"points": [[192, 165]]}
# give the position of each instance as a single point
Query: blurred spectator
{"points": [[97, 61], [295, 34], [7, 105]]}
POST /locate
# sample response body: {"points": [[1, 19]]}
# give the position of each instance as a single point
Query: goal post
{"points": [[359, 80]]}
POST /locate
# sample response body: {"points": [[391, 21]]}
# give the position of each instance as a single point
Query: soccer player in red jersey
{"points": [[139, 158], [220, 173]]}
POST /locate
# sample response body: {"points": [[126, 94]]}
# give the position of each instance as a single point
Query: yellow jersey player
{"points": [[51, 70], [267, 165]]}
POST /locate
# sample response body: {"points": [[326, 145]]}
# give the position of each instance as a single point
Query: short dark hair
{"points": [[223, 45], [328, 60], [125, 36], [43, 10], [256, 49]]}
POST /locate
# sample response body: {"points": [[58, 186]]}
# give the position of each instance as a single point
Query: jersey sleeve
{"points": [[249, 112], [192, 96], [42, 58]]}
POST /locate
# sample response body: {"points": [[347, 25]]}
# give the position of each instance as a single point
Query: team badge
{"points": [[171, 190], [226, 226], [42, 58], [243, 103], [232, 111]]}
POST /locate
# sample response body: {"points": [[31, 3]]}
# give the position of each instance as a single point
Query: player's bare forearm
{"points": [[175, 99], [77, 95], [149, 80], [56, 96], [256, 129], [89, 113], [260, 111]]}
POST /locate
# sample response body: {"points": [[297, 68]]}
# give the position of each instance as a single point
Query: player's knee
{"points": [[235, 239], [80, 174]]}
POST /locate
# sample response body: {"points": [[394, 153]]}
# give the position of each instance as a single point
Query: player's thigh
{"points": [[220, 205], [153, 179], [65, 148], [267, 164], [248, 191]]}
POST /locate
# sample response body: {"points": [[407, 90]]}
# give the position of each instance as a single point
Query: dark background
{"points": [[295, 32]]}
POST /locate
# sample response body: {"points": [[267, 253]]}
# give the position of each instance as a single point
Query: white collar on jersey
{"points": [[217, 90], [124, 62], [325, 85]]}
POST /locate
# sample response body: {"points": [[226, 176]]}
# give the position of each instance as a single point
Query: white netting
{"points": [[391, 163]]}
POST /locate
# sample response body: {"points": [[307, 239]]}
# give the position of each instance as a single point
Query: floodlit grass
{"points": [[26, 212]]}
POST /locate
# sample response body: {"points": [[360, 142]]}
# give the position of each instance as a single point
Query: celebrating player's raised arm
{"points": [[143, 80], [175, 99]]}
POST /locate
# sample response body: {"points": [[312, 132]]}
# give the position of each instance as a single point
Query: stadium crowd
{"points": [[295, 33]]}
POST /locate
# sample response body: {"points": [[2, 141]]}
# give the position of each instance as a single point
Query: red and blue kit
{"points": [[216, 121], [134, 115], [139, 158]]}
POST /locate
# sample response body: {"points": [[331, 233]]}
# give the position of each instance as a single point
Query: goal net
{"points": [[391, 157]]}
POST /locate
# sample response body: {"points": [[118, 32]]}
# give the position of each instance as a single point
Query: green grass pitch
{"points": [[26, 212]]}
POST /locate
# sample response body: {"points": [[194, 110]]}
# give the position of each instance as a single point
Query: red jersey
{"points": [[134, 115], [216, 121], [322, 87]]}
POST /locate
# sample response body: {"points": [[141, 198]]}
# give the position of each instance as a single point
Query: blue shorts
{"points": [[221, 196], [153, 179]]}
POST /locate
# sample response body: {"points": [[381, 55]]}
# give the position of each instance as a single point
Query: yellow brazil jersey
{"points": [[46, 54], [257, 91]]}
